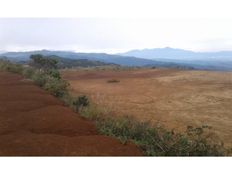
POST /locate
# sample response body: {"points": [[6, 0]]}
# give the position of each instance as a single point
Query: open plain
{"points": [[171, 97]]}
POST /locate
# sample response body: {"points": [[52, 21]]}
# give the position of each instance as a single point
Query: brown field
{"points": [[34, 123], [173, 98]]}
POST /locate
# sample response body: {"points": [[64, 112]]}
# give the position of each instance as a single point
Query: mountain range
{"points": [[160, 57], [179, 54]]}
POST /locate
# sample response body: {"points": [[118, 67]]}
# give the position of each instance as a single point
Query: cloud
{"points": [[112, 35]]}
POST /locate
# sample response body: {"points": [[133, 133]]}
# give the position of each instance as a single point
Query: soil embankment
{"points": [[34, 123]]}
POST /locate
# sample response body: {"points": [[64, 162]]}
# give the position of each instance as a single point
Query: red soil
{"points": [[34, 123]]}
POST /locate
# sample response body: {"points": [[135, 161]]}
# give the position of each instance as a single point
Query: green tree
{"points": [[43, 63]]}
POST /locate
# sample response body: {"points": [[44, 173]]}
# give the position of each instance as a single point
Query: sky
{"points": [[114, 35]]}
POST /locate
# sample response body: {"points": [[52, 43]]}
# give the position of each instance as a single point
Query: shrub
{"points": [[4, 64], [80, 102], [155, 140], [113, 81], [14, 68], [39, 79], [28, 72], [54, 73], [56, 86]]}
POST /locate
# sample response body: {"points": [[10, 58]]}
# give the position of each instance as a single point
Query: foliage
{"points": [[41, 62], [49, 79], [56, 87], [155, 140], [28, 72], [80, 102], [54, 73], [11, 67], [39, 78]]}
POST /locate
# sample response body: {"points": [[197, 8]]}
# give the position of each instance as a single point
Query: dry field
{"points": [[174, 98]]}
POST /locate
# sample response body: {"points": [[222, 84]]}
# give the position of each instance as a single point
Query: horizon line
{"points": [[107, 52]]}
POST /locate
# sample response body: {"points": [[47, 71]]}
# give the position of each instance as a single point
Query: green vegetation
{"points": [[43, 63], [28, 72], [56, 86], [72, 63], [80, 102], [154, 140], [8, 66], [44, 74]]}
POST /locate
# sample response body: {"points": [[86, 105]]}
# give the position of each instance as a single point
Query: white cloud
{"points": [[114, 34]]}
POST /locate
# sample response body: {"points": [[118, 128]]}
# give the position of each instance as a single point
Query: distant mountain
{"points": [[221, 60], [179, 54], [159, 57], [107, 58]]}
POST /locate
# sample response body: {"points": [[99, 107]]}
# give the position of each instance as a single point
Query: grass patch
{"points": [[154, 140]]}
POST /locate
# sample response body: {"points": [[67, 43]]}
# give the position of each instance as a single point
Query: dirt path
{"points": [[34, 123]]}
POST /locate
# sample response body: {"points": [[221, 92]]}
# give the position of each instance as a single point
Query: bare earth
{"points": [[34, 123], [174, 98]]}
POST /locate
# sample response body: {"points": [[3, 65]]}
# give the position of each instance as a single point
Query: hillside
{"points": [[166, 57], [106, 58], [102, 57], [34, 123], [221, 60], [179, 54]]}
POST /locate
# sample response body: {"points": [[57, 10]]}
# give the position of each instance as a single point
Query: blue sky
{"points": [[114, 35]]}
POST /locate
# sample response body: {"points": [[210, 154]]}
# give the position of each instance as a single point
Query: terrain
{"points": [[34, 123], [172, 97], [159, 57], [221, 60]]}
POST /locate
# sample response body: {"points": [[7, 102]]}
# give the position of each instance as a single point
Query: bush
{"points": [[4, 64], [50, 80], [56, 86], [113, 81], [155, 140], [11, 67], [80, 102], [40, 79], [28, 72], [54, 73]]}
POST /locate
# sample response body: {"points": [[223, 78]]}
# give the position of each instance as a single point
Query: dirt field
{"points": [[173, 98], [34, 123]]}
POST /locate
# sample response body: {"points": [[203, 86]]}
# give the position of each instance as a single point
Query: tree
{"points": [[41, 62]]}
